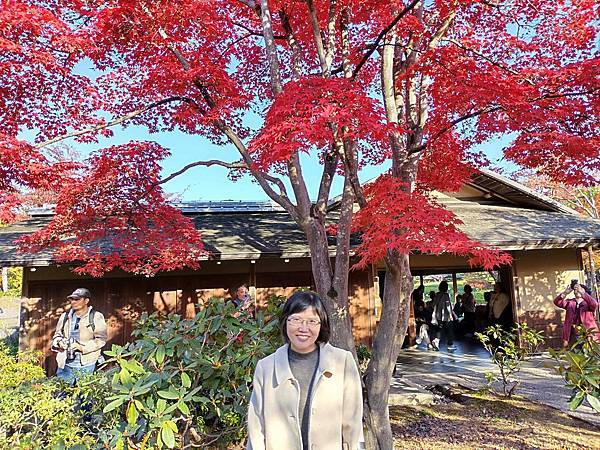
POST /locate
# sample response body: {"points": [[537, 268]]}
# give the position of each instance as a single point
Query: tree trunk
{"points": [[386, 346], [332, 290]]}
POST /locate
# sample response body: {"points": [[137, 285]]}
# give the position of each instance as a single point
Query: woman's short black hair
{"points": [[443, 286], [301, 301]]}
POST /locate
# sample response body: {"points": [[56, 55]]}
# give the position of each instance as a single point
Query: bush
{"points": [[580, 367], [508, 350], [185, 382], [15, 281], [33, 413]]}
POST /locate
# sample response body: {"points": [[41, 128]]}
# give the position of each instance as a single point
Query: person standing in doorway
{"points": [[469, 307], [498, 306], [79, 337], [443, 318]]}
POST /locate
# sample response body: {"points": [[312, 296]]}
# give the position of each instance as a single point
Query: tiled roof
{"points": [[254, 234]]}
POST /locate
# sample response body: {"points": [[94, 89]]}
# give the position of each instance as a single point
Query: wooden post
{"points": [[4, 279], [454, 285], [252, 286], [594, 286]]}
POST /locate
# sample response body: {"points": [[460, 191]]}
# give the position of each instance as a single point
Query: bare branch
{"points": [[330, 163], [468, 116], [381, 35], [114, 122], [351, 168], [270, 47], [293, 43], [488, 59], [212, 162], [490, 109], [252, 32], [344, 23], [442, 30], [317, 35], [330, 47]]}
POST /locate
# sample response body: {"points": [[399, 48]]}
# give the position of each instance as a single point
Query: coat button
{"points": [[327, 374]]}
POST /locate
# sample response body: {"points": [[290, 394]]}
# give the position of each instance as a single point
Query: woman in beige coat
{"points": [[307, 395]]}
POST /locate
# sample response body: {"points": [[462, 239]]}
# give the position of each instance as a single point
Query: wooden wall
{"points": [[123, 298]]}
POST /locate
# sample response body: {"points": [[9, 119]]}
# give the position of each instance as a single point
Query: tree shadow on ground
{"points": [[489, 422]]}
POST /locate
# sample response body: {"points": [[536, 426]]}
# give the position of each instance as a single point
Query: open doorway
{"points": [[475, 303]]}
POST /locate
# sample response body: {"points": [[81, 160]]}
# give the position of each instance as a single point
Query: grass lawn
{"points": [[479, 281], [484, 421]]}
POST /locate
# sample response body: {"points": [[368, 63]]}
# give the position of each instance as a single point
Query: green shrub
{"points": [[187, 381], [15, 281], [363, 353], [580, 367], [33, 414], [508, 350]]}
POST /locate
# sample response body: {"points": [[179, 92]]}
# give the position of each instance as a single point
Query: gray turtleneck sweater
{"points": [[304, 368]]}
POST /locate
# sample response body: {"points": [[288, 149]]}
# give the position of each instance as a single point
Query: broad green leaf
{"points": [[167, 436], [172, 425], [594, 401], [132, 414], [125, 376], [160, 406], [168, 395], [576, 400], [160, 354], [183, 408], [113, 405], [185, 380], [135, 367]]}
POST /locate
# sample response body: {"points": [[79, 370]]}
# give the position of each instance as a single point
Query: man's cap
{"points": [[80, 293]]}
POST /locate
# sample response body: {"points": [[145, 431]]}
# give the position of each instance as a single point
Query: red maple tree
{"points": [[416, 83]]}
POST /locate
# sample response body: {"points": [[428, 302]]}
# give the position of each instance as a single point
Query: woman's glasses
{"points": [[297, 322]]}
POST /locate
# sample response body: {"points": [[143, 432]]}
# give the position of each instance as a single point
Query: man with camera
{"points": [[580, 310], [79, 337]]}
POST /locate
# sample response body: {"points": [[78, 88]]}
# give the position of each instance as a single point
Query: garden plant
{"points": [[509, 349], [580, 367]]}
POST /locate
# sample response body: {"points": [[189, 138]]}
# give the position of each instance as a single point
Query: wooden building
{"points": [[259, 244]]}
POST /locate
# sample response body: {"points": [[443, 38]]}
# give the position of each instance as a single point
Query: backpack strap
{"points": [[64, 324], [92, 325]]}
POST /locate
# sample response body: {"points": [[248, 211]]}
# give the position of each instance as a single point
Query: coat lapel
{"points": [[282, 365]]}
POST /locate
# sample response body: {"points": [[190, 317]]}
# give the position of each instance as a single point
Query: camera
{"points": [[573, 283], [70, 350]]}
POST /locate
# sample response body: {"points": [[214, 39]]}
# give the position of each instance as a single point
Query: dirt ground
{"points": [[483, 421]]}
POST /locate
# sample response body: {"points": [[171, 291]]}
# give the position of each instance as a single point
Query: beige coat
{"points": [[336, 404], [92, 341]]}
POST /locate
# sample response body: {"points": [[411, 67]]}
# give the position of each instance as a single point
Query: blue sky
{"points": [[212, 184]]}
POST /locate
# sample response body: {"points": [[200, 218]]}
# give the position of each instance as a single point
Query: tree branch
{"points": [[212, 162], [330, 162], [488, 59], [267, 25], [436, 136], [317, 35], [491, 109], [114, 122], [381, 35], [252, 32], [293, 43]]}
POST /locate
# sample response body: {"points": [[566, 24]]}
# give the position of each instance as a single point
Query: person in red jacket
{"points": [[580, 310]]}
